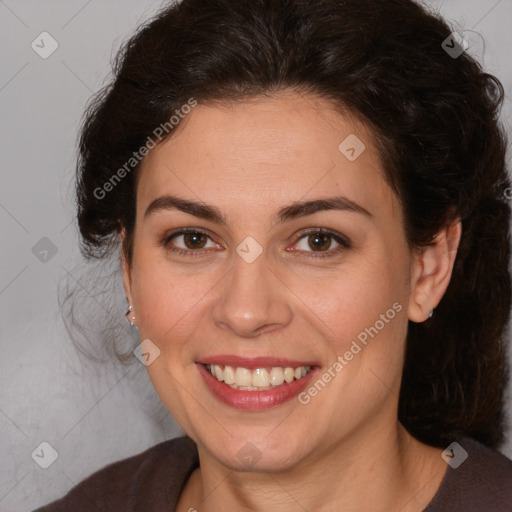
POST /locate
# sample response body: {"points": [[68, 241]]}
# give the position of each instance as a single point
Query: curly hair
{"points": [[435, 123]]}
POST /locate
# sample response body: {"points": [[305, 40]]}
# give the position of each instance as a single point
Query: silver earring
{"points": [[131, 318], [430, 312]]}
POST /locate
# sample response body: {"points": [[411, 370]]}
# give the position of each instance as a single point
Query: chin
{"points": [[259, 453]]}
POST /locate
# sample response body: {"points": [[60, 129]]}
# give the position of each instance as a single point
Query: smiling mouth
{"points": [[257, 379]]}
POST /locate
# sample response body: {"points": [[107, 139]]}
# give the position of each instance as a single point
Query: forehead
{"points": [[277, 149]]}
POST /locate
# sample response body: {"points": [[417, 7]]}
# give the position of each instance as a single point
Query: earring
{"points": [[132, 318], [430, 312]]}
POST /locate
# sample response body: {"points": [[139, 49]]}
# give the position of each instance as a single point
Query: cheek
{"points": [[168, 304], [364, 296], [169, 308]]}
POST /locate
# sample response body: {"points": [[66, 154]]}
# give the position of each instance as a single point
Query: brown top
{"points": [[152, 482]]}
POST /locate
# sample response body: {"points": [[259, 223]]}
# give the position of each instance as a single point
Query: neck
{"points": [[379, 471]]}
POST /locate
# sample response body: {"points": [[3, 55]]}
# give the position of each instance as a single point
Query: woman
{"points": [[310, 201]]}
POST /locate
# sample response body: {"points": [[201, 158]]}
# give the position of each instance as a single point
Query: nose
{"points": [[252, 300]]}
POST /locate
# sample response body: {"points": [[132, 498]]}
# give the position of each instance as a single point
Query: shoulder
{"points": [[154, 477], [482, 482]]}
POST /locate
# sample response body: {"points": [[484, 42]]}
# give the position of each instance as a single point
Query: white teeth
{"points": [[242, 376], [258, 379], [229, 375], [219, 373], [276, 376], [289, 374]]}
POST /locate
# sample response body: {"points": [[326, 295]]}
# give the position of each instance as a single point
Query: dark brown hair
{"points": [[434, 118]]}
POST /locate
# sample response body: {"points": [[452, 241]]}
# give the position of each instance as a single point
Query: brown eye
{"points": [[195, 240], [322, 243], [188, 241], [319, 241]]}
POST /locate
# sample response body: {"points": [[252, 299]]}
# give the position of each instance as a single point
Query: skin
{"points": [[345, 449]]}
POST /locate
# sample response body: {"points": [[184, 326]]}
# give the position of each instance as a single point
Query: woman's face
{"points": [[295, 257]]}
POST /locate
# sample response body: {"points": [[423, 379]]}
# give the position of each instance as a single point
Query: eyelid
{"points": [[179, 231], [183, 231], [342, 240]]}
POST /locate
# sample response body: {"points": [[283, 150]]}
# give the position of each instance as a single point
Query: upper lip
{"points": [[254, 362]]}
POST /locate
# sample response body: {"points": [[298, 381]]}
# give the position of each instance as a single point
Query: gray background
{"points": [[91, 414]]}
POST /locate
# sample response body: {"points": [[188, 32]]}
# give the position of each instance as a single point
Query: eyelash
{"points": [[341, 240], [183, 252]]}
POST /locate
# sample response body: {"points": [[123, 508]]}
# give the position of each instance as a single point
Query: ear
{"points": [[127, 276], [432, 270]]}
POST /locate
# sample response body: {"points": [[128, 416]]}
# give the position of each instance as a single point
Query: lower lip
{"points": [[254, 400]]}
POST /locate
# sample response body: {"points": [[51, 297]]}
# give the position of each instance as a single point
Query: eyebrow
{"points": [[196, 208], [293, 211], [301, 209]]}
